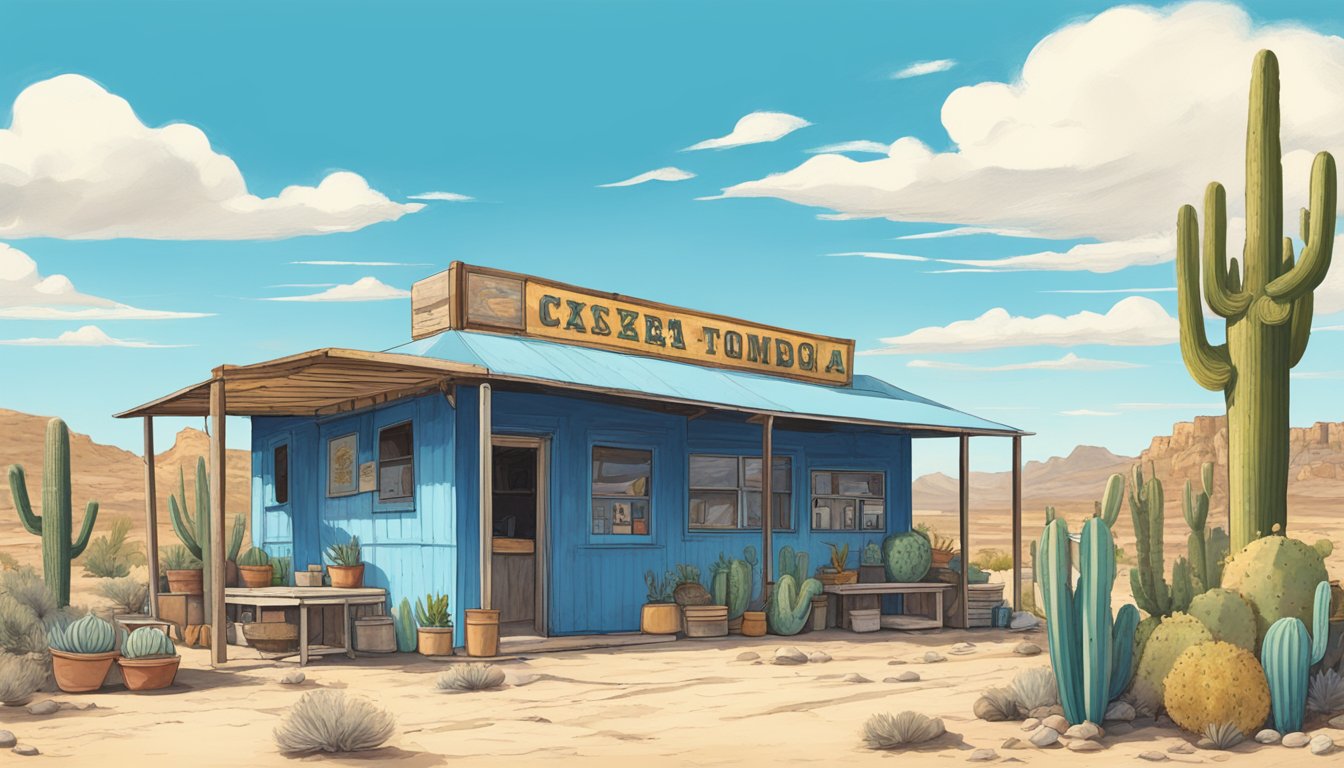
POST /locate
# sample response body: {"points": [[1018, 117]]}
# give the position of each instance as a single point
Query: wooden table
{"points": [[844, 592], [305, 598]]}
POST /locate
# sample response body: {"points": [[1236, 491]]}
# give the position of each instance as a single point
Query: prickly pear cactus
{"points": [[1175, 634], [907, 556], [1214, 683], [790, 604], [1141, 634], [1227, 616], [1278, 576], [793, 564]]}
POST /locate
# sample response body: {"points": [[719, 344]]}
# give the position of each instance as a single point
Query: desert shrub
{"points": [[25, 608], [470, 677], [7, 562], [1035, 687], [329, 721], [1325, 693], [1224, 735], [997, 704], [20, 676], [993, 560], [127, 593], [111, 555], [886, 731]]}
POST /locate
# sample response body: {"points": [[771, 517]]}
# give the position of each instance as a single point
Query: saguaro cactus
{"points": [[1267, 303], [194, 531], [54, 525]]}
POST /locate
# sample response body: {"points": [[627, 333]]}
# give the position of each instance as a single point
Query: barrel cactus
{"points": [[1288, 653], [790, 604], [89, 634], [907, 556], [1216, 682], [146, 642], [1172, 637], [1278, 576], [1227, 616]]}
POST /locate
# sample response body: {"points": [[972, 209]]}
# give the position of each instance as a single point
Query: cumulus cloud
{"points": [[921, 68], [25, 294], [755, 128], [1086, 257], [668, 173], [1133, 321], [79, 164], [967, 232], [86, 336], [363, 289], [447, 197], [1114, 122], [1069, 362], [868, 147]]}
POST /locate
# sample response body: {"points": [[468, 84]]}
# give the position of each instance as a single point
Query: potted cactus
{"points": [[835, 573], [346, 569], [731, 584], [182, 569], [871, 570], [434, 635], [194, 531], [660, 615], [82, 652], [254, 568], [790, 603], [148, 660]]}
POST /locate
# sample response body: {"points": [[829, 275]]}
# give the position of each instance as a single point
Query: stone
{"points": [[1023, 620], [1121, 728], [7, 739], [789, 655], [1043, 712], [1269, 736], [1027, 649], [819, 657], [1295, 739], [1031, 723], [1083, 745], [1321, 744], [1153, 756], [855, 677], [1337, 722], [962, 648], [45, 707], [1056, 722], [1183, 748], [983, 756], [1119, 711], [748, 656], [908, 677], [27, 750], [1044, 736], [1084, 730], [933, 657], [293, 678], [897, 662], [1012, 742]]}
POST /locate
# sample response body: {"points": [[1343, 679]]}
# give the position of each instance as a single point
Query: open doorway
{"points": [[518, 561]]}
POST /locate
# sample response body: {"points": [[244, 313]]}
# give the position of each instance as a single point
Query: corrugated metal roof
{"points": [[867, 400]]}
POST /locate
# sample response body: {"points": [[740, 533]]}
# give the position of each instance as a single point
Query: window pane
{"points": [[859, 483], [713, 471], [395, 442], [783, 519], [753, 509], [821, 483], [782, 477], [281, 463], [395, 481], [873, 515], [714, 509], [396, 472], [621, 472]]}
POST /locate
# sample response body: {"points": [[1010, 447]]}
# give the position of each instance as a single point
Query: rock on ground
{"points": [[1044, 736], [1295, 739], [27, 750], [1321, 744], [933, 657], [1083, 745], [1153, 756], [1012, 742], [1023, 620], [1031, 724], [748, 656], [1337, 722], [1119, 711], [983, 755], [1182, 749], [1269, 736], [1027, 649], [907, 677], [1056, 722], [1084, 730], [293, 678], [819, 657], [1044, 712], [855, 677], [896, 662], [7, 739], [47, 707], [962, 648], [789, 655]]}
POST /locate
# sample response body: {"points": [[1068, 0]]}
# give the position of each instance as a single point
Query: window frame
{"points": [[398, 502], [275, 499], [743, 490], [859, 500], [621, 538]]}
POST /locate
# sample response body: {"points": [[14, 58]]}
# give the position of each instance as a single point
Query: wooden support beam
{"points": [[964, 483], [1017, 522], [151, 520], [485, 485], [218, 616], [767, 503]]}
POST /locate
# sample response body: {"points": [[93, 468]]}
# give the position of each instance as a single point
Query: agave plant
{"points": [[470, 677], [178, 558], [1325, 693], [1035, 687], [886, 731], [345, 555], [433, 612], [1223, 735]]}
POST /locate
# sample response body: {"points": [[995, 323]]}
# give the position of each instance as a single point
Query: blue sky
{"points": [[529, 107]]}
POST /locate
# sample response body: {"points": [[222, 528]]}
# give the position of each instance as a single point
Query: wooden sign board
{"points": [[476, 298]]}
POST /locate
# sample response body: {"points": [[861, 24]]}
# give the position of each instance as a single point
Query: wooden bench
{"points": [[302, 600], [848, 594]]}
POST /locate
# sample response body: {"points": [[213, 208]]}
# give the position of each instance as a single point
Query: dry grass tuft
{"points": [[329, 721]]}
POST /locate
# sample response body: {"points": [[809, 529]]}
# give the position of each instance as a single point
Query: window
{"points": [[848, 501], [396, 463], [280, 462], [621, 481], [726, 493]]}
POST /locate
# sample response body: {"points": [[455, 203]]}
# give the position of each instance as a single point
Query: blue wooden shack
{"points": [[616, 436]]}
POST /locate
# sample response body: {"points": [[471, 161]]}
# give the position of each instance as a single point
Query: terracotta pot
{"points": [[81, 672], [272, 636], [346, 576], [660, 619], [753, 624], [940, 558], [434, 641], [255, 576], [187, 582], [482, 632], [149, 674]]}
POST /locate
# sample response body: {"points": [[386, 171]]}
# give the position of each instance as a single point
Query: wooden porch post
{"points": [[1017, 522], [964, 481], [486, 484], [767, 502], [218, 615], [151, 520]]}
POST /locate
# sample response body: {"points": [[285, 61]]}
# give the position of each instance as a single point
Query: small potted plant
{"points": [[183, 570], [82, 652], [871, 570], [835, 573], [434, 635], [346, 569], [943, 550], [148, 660], [282, 568], [254, 568], [660, 615]]}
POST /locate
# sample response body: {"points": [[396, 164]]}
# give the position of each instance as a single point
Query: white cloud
{"points": [[1088, 412], [447, 197], [1113, 290], [967, 232], [1169, 406], [361, 264], [755, 128], [1086, 257], [1114, 122], [1133, 321], [79, 164], [1069, 362], [668, 173], [921, 68], [86, 336], [1327, 328], [1313, 375], [25, 294], [363, 289], [869, 147]]}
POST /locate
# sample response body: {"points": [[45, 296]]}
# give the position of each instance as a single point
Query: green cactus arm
{"points": [[1315, 261], [236, 537], [1111, 499], [1320, 622], [1210, 366], [1222, 299], [85, 530], [182, 527], [18, 488], [1300, 329], [1271, 311]]}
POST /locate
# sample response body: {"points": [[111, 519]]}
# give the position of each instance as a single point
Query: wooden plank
{"points": [[1017, 522], [434, 303], [767, 502], [151, 520], [218, 617], [885, 588], [964, 486], [484, 486], [506, 546]]}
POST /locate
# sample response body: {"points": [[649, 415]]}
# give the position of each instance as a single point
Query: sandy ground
{"points": [[685, 703]]}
